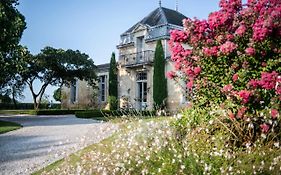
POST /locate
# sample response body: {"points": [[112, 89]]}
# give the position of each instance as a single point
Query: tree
{"points": [[12, 25], [113, 84], [56, 67], [159, 79], [57, 94]]}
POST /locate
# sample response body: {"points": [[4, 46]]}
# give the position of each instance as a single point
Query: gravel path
{"points": [[45, 139]]}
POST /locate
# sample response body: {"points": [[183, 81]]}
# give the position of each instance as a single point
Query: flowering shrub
{"points": [[233, 60]]}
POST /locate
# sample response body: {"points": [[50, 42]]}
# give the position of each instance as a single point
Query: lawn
{"points": [[8, 126]]}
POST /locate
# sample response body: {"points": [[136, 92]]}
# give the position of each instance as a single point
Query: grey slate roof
{"points": [[161, 16], [103, 67]]}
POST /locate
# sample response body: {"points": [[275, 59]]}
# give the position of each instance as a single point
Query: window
{"points": [[142, 90], [102, 87], [73, 91], [141, 76]]}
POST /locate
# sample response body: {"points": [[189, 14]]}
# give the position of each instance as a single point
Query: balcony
{"points": [[137, 59]]}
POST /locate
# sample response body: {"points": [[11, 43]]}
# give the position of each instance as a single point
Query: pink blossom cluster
{"points": [[268, 81], [212, 51], [228, 47], [241, 30], [250, 51], [178, 36], [171, 74]]}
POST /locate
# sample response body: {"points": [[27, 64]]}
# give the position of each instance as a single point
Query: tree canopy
{"points": [[12, 25], [159, 79], [56, 67]]}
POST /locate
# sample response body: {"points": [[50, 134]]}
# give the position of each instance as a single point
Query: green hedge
{"points": [[114, 113], [8, 106], [57, 111], [41, 112]]}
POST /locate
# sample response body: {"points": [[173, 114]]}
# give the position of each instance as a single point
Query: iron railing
{"points": [[139, 58]]}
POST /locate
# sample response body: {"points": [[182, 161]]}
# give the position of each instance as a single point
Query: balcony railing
{"points": [[136, 59]]}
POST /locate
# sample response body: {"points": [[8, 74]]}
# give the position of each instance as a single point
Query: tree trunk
{"points": [[14, 101], [36, 103]]}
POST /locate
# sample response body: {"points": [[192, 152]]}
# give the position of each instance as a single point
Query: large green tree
{"points": [[113, 84], [12, 25], [56, 67], [159, 79]]}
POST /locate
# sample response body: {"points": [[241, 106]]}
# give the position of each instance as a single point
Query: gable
{"points": [[139, 27]]}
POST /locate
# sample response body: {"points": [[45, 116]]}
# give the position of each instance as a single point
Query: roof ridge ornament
{"points": [[177, 5]]}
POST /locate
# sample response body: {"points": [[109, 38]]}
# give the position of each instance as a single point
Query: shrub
{"points": [[92, 113], [6, 106], [234, 62], [56, 111]]}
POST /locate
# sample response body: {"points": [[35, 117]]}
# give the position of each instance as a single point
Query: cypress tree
{"points": [[113, 84], [159, 79]]}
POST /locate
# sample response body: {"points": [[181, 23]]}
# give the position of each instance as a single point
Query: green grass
{"points": [[8, 126]]}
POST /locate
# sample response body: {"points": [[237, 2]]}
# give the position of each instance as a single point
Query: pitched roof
{"points": [[103, 67], [161, 16]]}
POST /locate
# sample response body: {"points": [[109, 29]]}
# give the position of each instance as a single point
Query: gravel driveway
{"points": [[45, 139]]}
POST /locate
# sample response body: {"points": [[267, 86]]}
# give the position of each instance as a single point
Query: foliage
{"points": [[159, 79], [233, 61], [113, 102], [57, 94], [94, 114], [56, 67], [5, 98], [113, 84], [12, 25], [56, 111], [8, 126]]}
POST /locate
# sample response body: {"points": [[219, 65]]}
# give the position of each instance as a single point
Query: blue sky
{"points": [[92, 26]]}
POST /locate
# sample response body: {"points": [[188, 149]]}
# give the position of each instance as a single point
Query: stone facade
{"points": [[80, 95], [135, 66]]}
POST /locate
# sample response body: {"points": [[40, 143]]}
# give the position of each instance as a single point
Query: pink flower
{"points": [[197, 70], [235, 77], [241, 112], [250, 51], [263, 64], [264, 128], [189, 84], [227, 88], [228, 47], [245, 95], [274, 113], [171, 75], [240, 30], [210, 51], [253, 83], [268, 80]]}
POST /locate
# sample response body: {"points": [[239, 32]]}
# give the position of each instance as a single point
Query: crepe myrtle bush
{"points": [[232, 60]]}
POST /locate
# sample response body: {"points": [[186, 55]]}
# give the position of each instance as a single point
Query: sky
{"points": [[92, 26]]}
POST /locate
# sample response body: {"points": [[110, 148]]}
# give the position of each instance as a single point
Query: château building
{"points": [[135, 67]]}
